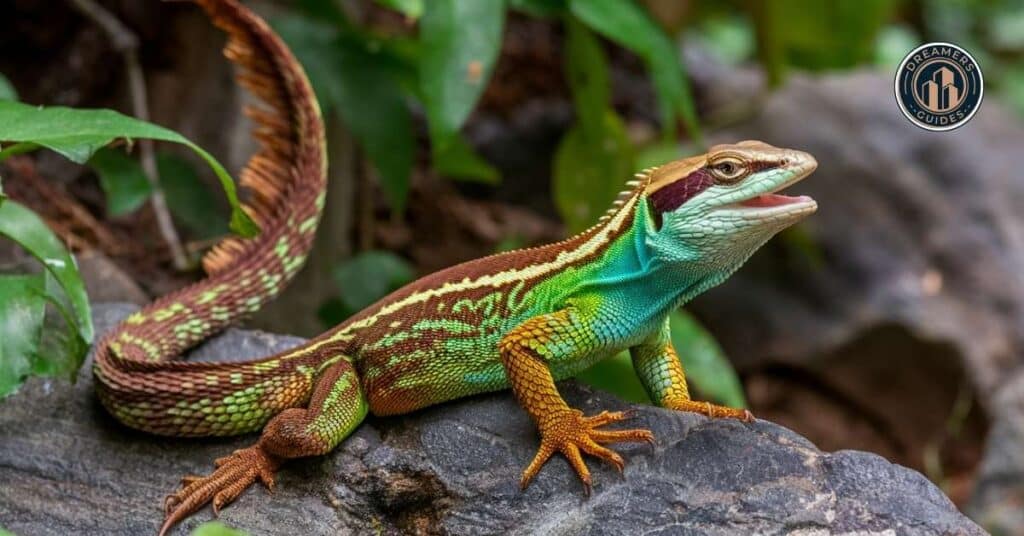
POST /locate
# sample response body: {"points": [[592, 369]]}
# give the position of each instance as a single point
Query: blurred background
{"points": [[891, 321]]}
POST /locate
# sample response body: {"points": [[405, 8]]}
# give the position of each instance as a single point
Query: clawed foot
{"points": [[233, 475], [710, 410], [569, 432]]}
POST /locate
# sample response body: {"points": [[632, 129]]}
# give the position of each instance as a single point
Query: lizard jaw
{"points": [[769, 203]]}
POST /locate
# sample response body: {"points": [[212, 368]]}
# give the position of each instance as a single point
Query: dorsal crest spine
{"points": [[633, 187]]}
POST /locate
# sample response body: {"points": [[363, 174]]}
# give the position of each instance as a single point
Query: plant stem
{"points": [[127, 43]]}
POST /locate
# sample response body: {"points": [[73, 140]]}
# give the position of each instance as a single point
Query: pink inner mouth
{"points": [[772, 200]]}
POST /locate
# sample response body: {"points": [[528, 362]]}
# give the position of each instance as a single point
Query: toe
{"points": [[543, 454], [572, 453], [606, 417], [617, 436], [592, 448]]}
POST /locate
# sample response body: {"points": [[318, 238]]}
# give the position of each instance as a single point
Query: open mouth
{"points": [[773, 200]]}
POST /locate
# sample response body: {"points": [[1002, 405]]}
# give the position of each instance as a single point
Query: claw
{"points": [[570, 433], [232, 476], [711, 410]]}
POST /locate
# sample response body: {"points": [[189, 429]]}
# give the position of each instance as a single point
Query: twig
{"points": [[366, 219], [127, 43]]}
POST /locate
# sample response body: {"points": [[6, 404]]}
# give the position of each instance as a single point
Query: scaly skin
{"points": [[519, 320]]}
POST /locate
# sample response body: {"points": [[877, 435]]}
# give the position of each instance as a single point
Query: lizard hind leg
{"points": [[335, 408]]}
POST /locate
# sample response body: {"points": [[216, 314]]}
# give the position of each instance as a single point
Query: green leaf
{"points": [[627, 24], [17, 148], [510, 243], [363, 87], [61, 349], [705, 363], [659, 153], [26, 229], [122, 180], [538, 8], [730, 39], [412, 9], [818, 35], [588, 78], [460, 42], [322, 10], [191, 203], [894, 42], [7, 91], [458, 160], [588, 174], [617, 376], [369, 276], [77, 134], [217, 528], [22, 309]]}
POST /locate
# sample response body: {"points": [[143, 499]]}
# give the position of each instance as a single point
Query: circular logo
{"points": [[939, 86]]}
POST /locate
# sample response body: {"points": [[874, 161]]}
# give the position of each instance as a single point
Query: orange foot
{"points": [[710, 410], [569, 432], [233, 475]]}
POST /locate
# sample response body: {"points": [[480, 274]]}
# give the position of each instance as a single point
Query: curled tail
{"points": [[137, 379]]}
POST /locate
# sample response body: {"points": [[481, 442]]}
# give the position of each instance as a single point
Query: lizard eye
{"points": [[728, 170]]}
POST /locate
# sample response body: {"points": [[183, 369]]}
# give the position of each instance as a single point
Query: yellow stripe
{"points": [[594, 244]]}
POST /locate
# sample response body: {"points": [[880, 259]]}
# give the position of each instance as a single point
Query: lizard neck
{"points": [[630, 275]]}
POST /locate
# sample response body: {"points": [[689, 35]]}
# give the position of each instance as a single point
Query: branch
{"points": [[127, 43]]}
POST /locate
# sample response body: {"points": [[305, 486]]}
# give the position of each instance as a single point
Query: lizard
{"points": [[518, 320]]}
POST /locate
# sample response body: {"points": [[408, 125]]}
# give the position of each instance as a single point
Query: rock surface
{"points": [[67, 467]]}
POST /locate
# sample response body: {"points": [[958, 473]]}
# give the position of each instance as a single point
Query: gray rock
{"points": [[67, 467], [998, 501]]}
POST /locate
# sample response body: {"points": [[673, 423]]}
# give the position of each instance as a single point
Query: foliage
{"points": [[371, 80], [217, 528], [52, 341], [705, 363], [629, 26], [362, 86], [817, 35], [456, 60], [77, 134], [193, 205], [616, 375], [122, 180], [410, 8], [362, 280], [595, 156], [24, 346], [992, 31], [7, 91]]}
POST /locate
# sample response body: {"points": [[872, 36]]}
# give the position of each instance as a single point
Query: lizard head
{"points": [[721, 206]]}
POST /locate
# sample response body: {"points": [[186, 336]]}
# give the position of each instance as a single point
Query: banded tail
{"points": [[137, 379]]}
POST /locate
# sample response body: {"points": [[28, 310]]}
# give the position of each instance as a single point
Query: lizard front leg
{"points": [[661, 373], [336, 406], [526, 352]]}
